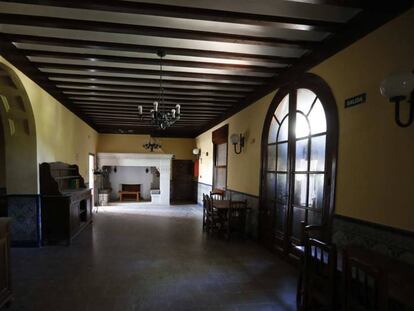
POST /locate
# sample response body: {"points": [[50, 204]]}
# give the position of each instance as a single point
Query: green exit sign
{"points": [[356, 100]]}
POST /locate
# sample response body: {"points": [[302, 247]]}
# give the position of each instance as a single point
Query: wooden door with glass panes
{"points": [[296, 182]]}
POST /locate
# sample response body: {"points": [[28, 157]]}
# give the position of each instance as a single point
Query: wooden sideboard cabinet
{"points": [[5, 275], [66, 202]]}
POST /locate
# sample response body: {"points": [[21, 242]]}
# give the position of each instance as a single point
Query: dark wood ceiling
{"points": [[98, 58]]}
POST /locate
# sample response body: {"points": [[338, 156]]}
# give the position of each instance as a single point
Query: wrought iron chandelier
{"points": [[152, 144], [160, 116]]}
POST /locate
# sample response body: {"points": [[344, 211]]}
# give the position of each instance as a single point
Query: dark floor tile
{"points": [[150, 258]]}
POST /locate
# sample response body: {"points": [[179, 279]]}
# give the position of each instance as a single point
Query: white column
{"points": [[165, 175]]}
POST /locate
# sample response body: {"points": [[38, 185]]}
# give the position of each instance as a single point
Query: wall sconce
{"points": [[197, 152], [237, 139], [397, 88]]}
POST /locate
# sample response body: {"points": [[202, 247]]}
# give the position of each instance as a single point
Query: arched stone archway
{"points": [[19, 135], [20, 173]]}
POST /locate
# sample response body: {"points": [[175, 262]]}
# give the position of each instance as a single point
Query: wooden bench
{"points": [[129, 190], [122, 193]]}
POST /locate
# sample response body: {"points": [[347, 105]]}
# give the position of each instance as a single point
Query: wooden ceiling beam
{"points": [[151, 31], [149, 61], [140, 82], [130, 47], [96, 70], [147, 100], [153, 94], [150, 96], [73, 86], [194, 13], [149, 105], [133, 107], [187, 112]]}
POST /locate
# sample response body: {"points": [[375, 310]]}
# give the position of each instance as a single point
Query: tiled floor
{"points": [[151, 258]]}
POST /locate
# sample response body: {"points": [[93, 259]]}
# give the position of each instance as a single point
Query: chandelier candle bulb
{"points": [[155, 106], [178, 109], [173, 113], [140, 109]]}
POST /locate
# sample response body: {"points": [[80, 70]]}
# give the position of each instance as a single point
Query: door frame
{"points": [[323, 91]]}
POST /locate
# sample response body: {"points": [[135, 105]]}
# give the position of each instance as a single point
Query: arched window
{"points": [[299, 157]]}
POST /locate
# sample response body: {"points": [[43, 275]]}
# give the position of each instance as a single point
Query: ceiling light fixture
{"points": [[160, 117], [152, 144]]}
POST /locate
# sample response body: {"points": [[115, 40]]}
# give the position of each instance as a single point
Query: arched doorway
{"points": [[299, 149], [21, 201], [19, 135]]}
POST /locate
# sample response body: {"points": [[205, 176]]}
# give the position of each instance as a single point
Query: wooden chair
{"points": [[235, 221], [365, 284], [205, 212], [217, 194], [307, 232], [320, 263], [213, 219]]}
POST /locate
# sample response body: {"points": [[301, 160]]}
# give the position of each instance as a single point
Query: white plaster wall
{"points": [[131, 175], [162, 161]]}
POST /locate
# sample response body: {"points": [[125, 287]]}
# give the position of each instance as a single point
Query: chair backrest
{"points": [[365, 284], [320, 258], [209, 203], [311, 231], [320, 270], [217, 194]]}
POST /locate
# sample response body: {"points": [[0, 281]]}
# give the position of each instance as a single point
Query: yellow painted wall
{"points": [[376, 158], [180, 147], [61, 135], [243, 169]]}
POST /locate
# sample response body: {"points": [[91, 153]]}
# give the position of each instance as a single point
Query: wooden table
{"points": [[122, 193], [225, 204]]}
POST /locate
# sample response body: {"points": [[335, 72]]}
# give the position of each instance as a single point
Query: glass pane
{"points": [[302, 155], [300, 189], [282, 189], [302, 126], [273, 131], [270, 185], [283, 109], [220, 178], [305, 99], [317, 118], [298, 216], [284, 130], [221, 154], [282, 158], [314, 218], [280, 217], [271, 157], [316, 190], [318, 153]]}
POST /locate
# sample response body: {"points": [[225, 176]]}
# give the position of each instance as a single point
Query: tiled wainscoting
{"points": [[252, 201], [26, 219], [390, 241]]}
